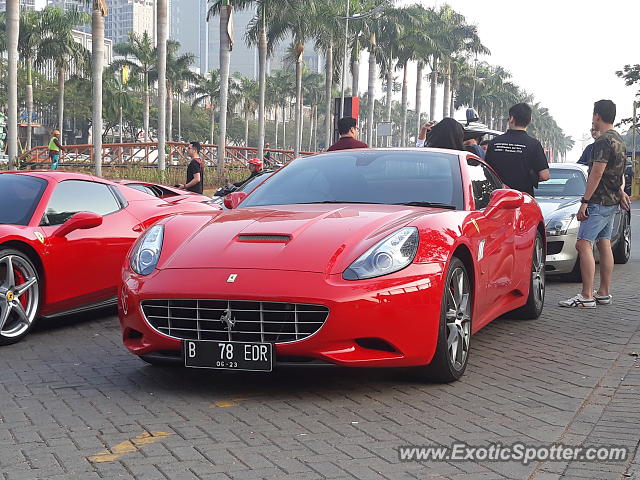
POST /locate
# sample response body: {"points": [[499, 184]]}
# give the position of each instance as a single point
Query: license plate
{"points": [[228, 355]]}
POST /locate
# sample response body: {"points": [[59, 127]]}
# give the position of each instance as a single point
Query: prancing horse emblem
{"points": [[227, 319], [232, 278]]}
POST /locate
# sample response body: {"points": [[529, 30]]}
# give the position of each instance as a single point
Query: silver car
{"points": [[559, 200]]}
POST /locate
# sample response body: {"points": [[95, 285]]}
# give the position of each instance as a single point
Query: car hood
{"points": [[550, 206], [312, 238]]}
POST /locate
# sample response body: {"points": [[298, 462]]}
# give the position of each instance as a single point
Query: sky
{"points": [[563, 52]]}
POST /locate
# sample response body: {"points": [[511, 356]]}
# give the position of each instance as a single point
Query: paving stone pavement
{"points": [[75, 405]]}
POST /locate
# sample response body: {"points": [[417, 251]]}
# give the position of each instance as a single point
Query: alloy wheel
{"points": [[458, 318], [19, 295], [538, 273]]}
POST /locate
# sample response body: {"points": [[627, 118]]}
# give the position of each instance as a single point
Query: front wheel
{"points": [[454, 332], [622, 251], [19, 295], [535, 301]]}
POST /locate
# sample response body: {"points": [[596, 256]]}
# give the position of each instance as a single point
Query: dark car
{"points": [[247, 186]]}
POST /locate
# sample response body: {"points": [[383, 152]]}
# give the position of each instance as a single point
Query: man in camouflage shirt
{"points": [[602, 198]]}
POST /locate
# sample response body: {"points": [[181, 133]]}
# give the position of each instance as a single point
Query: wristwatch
{"points": [[584, 200]]}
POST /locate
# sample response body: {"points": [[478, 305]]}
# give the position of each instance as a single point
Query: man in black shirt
{"points": [[516, 157], [195, 170]]}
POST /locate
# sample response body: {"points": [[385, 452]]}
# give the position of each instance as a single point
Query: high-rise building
{"points": [[80, 5], [129, 16], [202, 38], [24, 5]]}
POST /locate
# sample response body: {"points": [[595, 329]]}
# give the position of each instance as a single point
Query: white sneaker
{"points": [[578, 302], [602, 299]]}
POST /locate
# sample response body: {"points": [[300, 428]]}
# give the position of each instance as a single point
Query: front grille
{"points": [[554, 247], [253, 321]]}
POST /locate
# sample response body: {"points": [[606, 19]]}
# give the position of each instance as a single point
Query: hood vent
{"points": [[264, 238]]}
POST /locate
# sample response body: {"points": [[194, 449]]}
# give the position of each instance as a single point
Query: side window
{"points": [[73, 196], [493, 178], [483, 183]]}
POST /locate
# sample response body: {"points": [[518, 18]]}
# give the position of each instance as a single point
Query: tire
{"points": [[537, 283], [622, 251], [19, 295], [454, 332]]}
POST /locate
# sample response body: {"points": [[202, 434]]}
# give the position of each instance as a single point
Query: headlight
{"points": [[560, 225], [146, 253], [387, 256]]}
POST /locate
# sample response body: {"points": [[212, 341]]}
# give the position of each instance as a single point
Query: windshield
{"points": [[365, 176], [254, 182], [19, 196], [563, 182]]}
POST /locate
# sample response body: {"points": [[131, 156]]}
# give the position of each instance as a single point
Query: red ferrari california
{"points": [[365, 258], [63, 238]]}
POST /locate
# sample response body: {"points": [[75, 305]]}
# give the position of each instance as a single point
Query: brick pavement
{"points": [[75, 405]]}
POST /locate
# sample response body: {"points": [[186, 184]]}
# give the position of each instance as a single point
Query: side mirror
{"points": [[79, 221], [504, 199], [234, 199]]}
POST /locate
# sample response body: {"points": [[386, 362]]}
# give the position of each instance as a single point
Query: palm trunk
{"points": [[275, 143], [246, 131], [225, 58], [284, 128], [145, 112], [434, 89], [213, 124], [389, 93], [315, 135], [446, 100], [169, 115], [371, 88], [179, 117], [97, 47], [13, 30], [121, 126], [419, 97], [262, 74], [491, 116], [403, 120], [301, 131], [61, 100], [328, 81], [162, 82], [355, 70], [298, 111], [29, 101]]}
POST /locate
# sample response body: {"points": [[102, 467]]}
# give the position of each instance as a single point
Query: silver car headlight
{"points": [[560, 225], [387, 256], [146, 253]]}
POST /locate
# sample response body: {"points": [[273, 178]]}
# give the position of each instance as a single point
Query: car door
{"points": [[496, 246], [83, 267]]}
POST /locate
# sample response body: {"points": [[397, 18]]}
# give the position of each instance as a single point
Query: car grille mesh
{"points": [[253, 321]]}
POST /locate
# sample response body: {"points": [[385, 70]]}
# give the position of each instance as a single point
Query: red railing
{"points": [[146, 154]]}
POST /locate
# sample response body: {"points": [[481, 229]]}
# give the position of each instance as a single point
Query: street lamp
{"points": [[358, 16]]}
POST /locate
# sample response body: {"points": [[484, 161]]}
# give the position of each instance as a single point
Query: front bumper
{"points": [[561, 253], [390, 321]]}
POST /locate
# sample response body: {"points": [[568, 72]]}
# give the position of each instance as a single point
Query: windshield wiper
{"points": [[428, 204]]}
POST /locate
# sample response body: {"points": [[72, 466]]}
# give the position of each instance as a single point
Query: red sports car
{"points": [[369, 258], [63, 238]]}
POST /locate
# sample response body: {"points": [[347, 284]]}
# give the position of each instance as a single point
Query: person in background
{"points": [[586, 155], [348, 130], [447, 133], [602, 199], [472, 145], [517, 158], [55, 149], [267, 156], [195, 170], [255, 167]]}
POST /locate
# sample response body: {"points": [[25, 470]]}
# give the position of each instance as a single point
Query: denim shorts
{"points": [[599, 223]]}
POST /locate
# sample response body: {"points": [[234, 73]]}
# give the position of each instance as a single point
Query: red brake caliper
{"points": [[20, 279]]}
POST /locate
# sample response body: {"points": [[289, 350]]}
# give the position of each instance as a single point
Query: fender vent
{"points": [[264, 238]]}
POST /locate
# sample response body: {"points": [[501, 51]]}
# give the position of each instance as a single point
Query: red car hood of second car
{"points": [[323, 238]]}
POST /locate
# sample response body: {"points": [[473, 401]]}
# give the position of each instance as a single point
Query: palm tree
{"points": [[162, 16], [59, 46], [280, 85], [248, 90], [140, 56], [205, 92], [31, 33], [99, 11], [178, 74], [13, 34]]}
